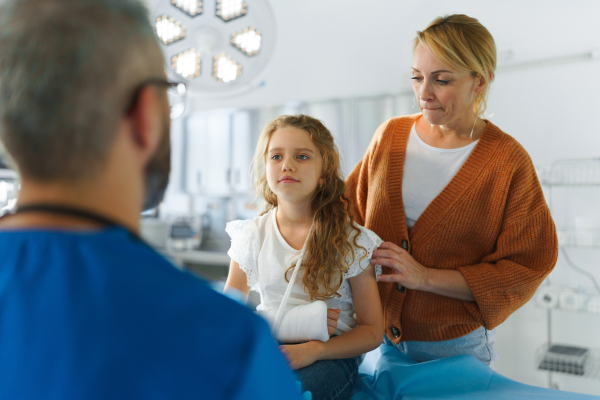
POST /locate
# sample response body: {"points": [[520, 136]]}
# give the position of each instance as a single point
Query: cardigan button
{"points": [[405, 245], [395, 331]]}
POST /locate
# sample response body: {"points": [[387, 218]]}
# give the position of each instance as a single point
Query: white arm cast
{"points": [[301, 324]]}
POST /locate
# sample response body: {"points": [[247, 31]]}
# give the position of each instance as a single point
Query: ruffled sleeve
{"points": [[367, 241], [245, 246]]}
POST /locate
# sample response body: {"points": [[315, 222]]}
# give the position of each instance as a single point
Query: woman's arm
{"points": [[236, 279], [365, 337], [412, 275]]}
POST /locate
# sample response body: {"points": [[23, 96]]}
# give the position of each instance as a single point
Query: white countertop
{"points": [[198, 257]]}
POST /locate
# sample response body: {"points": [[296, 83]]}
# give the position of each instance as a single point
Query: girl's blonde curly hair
{"points": [[329, 251]]}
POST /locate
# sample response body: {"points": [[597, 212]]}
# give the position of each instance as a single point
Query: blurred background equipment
{"points": [[9, 187]]}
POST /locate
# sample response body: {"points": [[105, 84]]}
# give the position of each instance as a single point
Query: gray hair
{"points": [[68, 69]]}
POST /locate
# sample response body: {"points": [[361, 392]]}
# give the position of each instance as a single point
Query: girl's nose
{"points": [[287, 166]]}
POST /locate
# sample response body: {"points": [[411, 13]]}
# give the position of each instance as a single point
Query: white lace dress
{"points": [[262, 253]]}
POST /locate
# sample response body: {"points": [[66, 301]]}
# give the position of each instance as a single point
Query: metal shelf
{"points": [[571, 360], [579, 238], [581, 172], [552, 297], [560, 178]]}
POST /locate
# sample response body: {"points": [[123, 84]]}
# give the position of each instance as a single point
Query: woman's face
{"points": [[445, 96], [293, 165]]}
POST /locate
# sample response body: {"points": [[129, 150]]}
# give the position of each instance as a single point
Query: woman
{"points": [[468, 235]]}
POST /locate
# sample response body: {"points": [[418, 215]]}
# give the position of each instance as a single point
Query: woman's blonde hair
{"points": [[329, 242], [463, 44]]}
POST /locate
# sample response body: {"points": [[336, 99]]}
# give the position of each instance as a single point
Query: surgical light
{"points": [[230, 9], [187, 64], [191, 7], [247, 40], [168, 30], [200, 53], [225, 69]]}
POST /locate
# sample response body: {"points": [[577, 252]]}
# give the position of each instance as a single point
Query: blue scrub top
{"points": [[97, 315]]}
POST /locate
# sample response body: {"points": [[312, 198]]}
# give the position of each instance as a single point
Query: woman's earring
{"points": [[414, 98]]}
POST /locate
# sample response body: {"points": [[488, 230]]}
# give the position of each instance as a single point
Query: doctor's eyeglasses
{"points": [[176, 93]]}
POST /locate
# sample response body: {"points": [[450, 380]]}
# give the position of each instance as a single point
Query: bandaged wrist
{"points": [[302, 323]]}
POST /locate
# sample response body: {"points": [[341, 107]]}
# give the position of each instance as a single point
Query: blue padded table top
{"points": [[397, 376]]}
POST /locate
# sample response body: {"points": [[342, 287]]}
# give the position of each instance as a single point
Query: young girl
{"points": [[297, 172]]}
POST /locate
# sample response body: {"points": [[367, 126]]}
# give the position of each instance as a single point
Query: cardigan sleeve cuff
{"points": [[525, 254]]}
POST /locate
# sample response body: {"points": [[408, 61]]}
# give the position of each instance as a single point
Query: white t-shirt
{"points": [[427, 171], [264, 255]]}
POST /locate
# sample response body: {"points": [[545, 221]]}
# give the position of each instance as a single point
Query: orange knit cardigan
{"points": [[490, 222]]}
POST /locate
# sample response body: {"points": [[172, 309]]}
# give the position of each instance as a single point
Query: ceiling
{"points": [[338, 48]]}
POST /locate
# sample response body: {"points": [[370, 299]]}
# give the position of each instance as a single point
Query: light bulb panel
{"points": [[190, 7], [226, 69], [187, 64], [168, 30], [248, 41], [229, 10]]}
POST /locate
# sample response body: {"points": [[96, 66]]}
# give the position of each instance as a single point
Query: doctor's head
{"points": [[453, 65], [79, 81]]}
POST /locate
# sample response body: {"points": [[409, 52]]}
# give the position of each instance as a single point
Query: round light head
{"points": [[190, 7], [225, 69], [187, 64], [247, 40], [168, 30], [228, 10]]}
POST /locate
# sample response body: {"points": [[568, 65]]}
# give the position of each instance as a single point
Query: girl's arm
{"points": [[237, 280], [365, 337]]}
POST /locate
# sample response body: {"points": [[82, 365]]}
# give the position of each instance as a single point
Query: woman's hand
{"points": [[408, 272], [301, 355], [412, 275], [333, 314]]}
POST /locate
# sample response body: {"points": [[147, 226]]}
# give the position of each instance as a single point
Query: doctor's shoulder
{"points": [[214, 346]]}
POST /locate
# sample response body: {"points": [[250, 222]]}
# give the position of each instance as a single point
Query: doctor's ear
{"points": [[141, 117]]}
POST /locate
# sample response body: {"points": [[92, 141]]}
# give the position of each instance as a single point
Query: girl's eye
{"points": [[443, 82], [276, 157], [303, 157], [416, 78]]}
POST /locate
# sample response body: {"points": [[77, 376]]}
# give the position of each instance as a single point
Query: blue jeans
{"points": [[330, 379], [479, 344]]}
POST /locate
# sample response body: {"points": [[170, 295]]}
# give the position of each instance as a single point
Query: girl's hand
{"points": [[333, 314], [408, 272], [301, 355]]}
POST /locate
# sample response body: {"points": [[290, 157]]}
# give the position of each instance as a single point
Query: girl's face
{"points": [[445, 96], [294, 165]]}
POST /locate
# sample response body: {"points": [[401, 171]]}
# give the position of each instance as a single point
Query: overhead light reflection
{"points": [[225, 69], [230, 9], [247, 40], [191, 7], [168, 30], [187, 64]]}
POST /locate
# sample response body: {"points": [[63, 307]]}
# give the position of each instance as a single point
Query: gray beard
{"points": [[156, 185], [158, 170]]}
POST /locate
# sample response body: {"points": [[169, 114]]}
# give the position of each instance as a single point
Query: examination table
{"points": [[397, 376]]}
